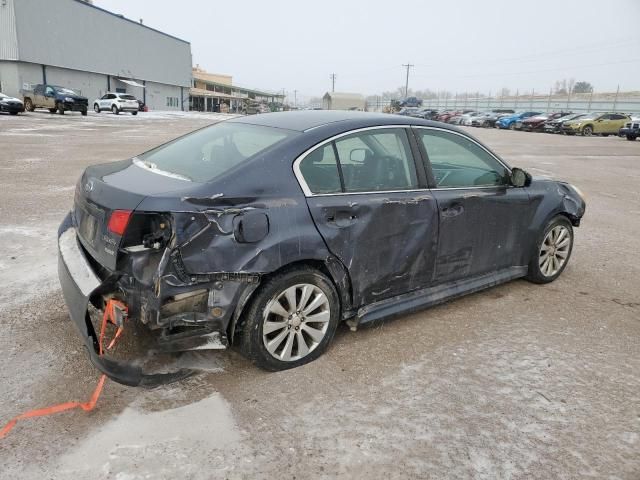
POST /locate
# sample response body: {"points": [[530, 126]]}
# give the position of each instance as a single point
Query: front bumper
{"points": [[75, 106], [78, 282], [12, 108]]}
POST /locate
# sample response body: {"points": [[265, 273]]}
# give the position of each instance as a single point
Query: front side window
{"points": [[210, 152], [457, 161]]}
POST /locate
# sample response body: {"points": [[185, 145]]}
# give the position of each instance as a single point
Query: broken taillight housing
{"points": [[118, 221]]}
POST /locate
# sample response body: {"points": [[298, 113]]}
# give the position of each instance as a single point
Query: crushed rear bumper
{"points": [[78, 282]]}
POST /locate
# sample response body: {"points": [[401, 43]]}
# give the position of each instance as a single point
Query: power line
{"points": [[333, 82], [406, 85]]}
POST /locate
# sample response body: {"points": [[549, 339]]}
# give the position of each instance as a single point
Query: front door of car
{"points": [[483, 219], [49, 99], [104, 102], [373, 212]]}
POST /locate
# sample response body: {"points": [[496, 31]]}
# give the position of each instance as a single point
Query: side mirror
{"points": [[358, 155], [520, 178]]}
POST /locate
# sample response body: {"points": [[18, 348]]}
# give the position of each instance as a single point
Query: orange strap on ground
{"points": [[108, 316]]}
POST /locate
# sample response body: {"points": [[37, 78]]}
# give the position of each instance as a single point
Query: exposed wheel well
{"points": [[319, 265]]}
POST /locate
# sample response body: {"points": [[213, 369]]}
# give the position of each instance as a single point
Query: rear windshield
{"points": [[127, 97], [206, 154]]}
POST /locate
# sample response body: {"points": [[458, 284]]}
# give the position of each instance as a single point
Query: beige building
{"points": [[343, 101], [215, 92]]}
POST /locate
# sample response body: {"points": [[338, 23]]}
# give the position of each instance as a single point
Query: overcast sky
{"points": [[458, 45]]}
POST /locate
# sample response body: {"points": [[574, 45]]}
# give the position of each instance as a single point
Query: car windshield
{"points": [[208, 153]]}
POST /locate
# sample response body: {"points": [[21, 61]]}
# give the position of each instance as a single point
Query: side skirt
{"points": [[428, 297]]}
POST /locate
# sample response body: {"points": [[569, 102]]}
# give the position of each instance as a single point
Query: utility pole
{"points": [[406, 85], [295, 98], [333, 82]]}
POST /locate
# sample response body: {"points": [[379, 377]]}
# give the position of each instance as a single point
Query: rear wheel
{"points": [[115, 110], [291, 320], [553, 250], [52, 110], [96, 108], [28, 105], [134, 113], [631, 138], [587, 131]]}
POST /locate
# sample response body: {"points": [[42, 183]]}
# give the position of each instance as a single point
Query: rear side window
{"points": [[210, 152], [456, 161], [320, 170], [369, 161]]}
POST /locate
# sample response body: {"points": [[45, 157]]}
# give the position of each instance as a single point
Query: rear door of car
{"points": [[483, 220], [370, 202]]}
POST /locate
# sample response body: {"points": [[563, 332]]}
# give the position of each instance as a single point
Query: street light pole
{"points": [[406, 85]]}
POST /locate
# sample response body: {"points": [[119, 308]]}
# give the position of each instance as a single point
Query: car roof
{"points": [[304, 120]]}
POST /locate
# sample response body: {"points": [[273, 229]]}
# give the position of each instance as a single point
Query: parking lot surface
{"points": [[519, 381]]}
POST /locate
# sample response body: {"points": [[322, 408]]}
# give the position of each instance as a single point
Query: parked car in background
{"points": [[11, 105], [410, 111], [456, 119], [55, 99], [489, 119], [467, 118], [510, 120], [631, 129], [425, 113], [411, 102], [537, 122], [189, 238], [604, 124], [555, 126], [116, 103]]}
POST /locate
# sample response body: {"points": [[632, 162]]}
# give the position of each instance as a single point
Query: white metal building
{"points": [[74, 44], [343, 101]]}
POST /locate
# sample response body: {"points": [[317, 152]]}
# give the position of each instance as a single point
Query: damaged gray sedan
{"points": [[269, 231]]}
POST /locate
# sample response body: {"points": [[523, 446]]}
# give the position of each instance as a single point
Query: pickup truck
{"points": [[55, 99]]}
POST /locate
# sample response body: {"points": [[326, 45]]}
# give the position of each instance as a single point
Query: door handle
{"points": [[341, 218]]}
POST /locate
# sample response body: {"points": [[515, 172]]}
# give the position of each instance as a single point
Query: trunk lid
{"points": [[103, 189]]}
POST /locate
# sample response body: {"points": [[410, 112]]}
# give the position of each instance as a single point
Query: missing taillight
{"points": [[118, 221]]}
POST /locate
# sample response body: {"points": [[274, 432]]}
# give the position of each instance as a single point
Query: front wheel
{"points": [[60, 109], [587, 131], [96, 108], [115, 110], [84, 112], [512, 126], [291, 320], [553, 250]]}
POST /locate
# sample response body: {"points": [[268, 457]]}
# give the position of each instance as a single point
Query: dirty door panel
{"points": [[483, 219], [481, 230], [387, 241]]}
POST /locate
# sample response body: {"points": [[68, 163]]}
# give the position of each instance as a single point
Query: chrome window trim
{"points": [[303, 184]]}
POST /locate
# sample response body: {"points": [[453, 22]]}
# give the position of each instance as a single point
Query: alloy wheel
{"points": [[295, 322], [554, 250]]}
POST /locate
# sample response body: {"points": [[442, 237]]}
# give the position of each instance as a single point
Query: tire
{"points": [[512, 126], [114, 110], [53, 110], [96, 108], [28, 105], [13, 113], [134, 113], [60, 108], [84, 112], [288, 332], [544, 268], [587, 131], [605, 135], [631, 138]]}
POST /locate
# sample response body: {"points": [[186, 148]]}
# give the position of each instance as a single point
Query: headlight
{"points": [[68, 99]]}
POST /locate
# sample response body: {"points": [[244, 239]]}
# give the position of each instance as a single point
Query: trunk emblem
{"points": [[88, 186]]}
